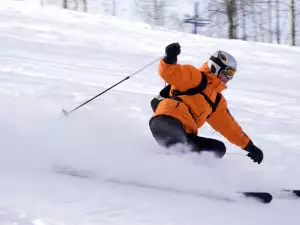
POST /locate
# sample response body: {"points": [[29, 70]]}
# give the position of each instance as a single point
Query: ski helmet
{"points": [[222, 61]]}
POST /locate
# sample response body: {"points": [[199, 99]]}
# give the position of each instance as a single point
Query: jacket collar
{"points": [[212, 79]]}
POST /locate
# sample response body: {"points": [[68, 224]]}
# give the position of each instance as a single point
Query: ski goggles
{"points": [[229, 72]]}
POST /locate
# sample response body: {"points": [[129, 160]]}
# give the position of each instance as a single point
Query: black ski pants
{"points": [[169, 131]]}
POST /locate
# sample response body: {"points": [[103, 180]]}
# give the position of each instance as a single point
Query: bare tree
{"points": [[85, 5], [159, 11], [254, 21], [70, 4], [270, 19], [65, 4], [114, 8], [75, 5], [152, 11], [111, 6], [244, 19], [228, 10], [278, 22], [231, 14], [293, 26], [261, 24]]}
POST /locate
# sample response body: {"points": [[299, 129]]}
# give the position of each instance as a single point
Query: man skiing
{"points": [[194, 97]]}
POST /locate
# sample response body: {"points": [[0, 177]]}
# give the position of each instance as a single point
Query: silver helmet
{"points": [[221, 61]]}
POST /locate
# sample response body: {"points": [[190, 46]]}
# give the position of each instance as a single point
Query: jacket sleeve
{"points": [[223, 122], [180, 76]]}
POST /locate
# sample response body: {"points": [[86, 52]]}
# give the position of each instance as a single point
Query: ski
{"points": [[290, 192], [296, 193], [263, 197]]}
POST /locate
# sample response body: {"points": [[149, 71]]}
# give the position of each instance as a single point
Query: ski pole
{"points": [[67, 113]]}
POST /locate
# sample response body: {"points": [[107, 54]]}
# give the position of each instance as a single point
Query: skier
{"points": [[194, 97]]}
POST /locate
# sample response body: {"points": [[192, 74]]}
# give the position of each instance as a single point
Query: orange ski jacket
{"points": [[194, 110]]}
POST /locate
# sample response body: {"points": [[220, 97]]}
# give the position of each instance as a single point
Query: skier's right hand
{"points": [[172, 51], [254, 153]]}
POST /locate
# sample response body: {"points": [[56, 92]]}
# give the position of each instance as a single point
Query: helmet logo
{"points": [[213, 69], [223, 57]]}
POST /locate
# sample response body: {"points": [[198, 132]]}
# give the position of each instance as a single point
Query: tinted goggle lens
{"points": [[229, 72]]}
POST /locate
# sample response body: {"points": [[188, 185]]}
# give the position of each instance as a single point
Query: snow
{"points": [[51, 59]]}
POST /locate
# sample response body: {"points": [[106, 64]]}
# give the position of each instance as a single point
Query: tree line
{"points": [[272, 21], [258, 20]]}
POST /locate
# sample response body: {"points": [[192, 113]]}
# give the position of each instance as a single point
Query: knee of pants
{"points": [[201, 144], [167, 130]]}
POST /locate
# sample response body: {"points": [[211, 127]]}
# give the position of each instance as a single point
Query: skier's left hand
{"points": [[164, 93], [254, 153]]}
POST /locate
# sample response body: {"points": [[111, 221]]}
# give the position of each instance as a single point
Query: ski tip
{"points": [[296, 192], [263, 197]]}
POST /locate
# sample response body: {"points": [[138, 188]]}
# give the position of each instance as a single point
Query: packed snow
{"points": [[53, 59]]}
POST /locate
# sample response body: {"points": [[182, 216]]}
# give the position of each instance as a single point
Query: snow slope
{"points": [[51, 60]]}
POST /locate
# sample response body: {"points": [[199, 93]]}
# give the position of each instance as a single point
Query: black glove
{"points": [[154, 103], [172, 51], [254, 153], [164, 93]]}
